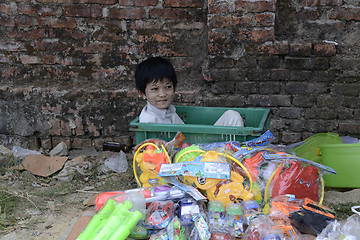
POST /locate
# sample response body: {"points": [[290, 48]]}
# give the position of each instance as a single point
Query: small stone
{"points": [[60, 150]]}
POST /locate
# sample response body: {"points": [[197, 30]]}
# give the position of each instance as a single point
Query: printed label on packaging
{"points": [[196, 169], [272, 157]]}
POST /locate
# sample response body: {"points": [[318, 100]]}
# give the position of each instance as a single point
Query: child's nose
{"points": [[162, 92]]}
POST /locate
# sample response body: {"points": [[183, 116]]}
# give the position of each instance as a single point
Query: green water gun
{"points": [[112, 222]]}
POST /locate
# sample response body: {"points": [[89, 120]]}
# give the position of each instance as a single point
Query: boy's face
{"points": [[160, 94]]}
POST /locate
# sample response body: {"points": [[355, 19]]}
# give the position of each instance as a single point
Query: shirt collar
{"points": [[163, 113]]}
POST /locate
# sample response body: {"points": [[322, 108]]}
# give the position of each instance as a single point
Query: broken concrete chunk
{"points": [[41, 165], [60, 150]]}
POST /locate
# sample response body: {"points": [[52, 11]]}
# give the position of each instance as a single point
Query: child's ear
{"points": [[141, 94]]}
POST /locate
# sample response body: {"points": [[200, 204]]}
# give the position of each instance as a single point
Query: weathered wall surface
{"points": [[67, 65]]}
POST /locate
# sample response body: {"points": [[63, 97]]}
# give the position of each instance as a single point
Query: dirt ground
{"points": [[47, 207]]}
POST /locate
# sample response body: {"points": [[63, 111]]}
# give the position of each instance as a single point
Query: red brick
{"points": [[49, 59], [155, 37], [105, 2], [170, 13], [58, 22], [218, 21], [184, 3], [309, 3], [13, 46], [277, 48], [4, 58], [79, 143], [128, 13], [47, 11], [26, 59], [46, 143], [215, 6], [5, 8], [31, 34], [109, 130], [10, 72], [47, 1], [324, 49], [65, 128], [259, 6], [331, 2], [25, 21], [263, 35], [259, 35], [264, 19], [28, 9], [300, 49], [9, 22], [147, 24], [82, 11], [347, 14], [55, 127], [57, 140], [138, 3], [96, 48], [36, 10], [79, 128], [93, 130]]}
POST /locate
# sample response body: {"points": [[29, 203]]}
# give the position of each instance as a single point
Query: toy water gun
{"points": [[112, 222], [159, 193]]}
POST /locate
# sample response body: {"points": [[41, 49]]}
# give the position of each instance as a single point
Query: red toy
{"points": [[293, 178], [160, 214]]}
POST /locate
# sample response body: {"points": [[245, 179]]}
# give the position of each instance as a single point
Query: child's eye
{"points": [[169, 86], [153, 89]]}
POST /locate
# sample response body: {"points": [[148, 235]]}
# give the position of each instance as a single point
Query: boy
{"points": [[156, 81]]}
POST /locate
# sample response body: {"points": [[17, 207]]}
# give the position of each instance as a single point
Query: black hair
{"points": [[154, 69]]}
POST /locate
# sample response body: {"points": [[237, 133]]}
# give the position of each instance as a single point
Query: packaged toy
{"points": [[175, 230], [188, 208], [311, 218], [226, 191], [251, 209], [235, 221], [201, 230], [217, 216], [160, 214], [293, 178], [149, 161]]}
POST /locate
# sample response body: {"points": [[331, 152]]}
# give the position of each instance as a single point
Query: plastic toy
{"points": [[158, 193], [149, 161], [160, 214], [226, 191], [293, 178], [201, 229], [112, 222], [220, 236], [188, 153], [235, 222], [217, 216], [188, 207], [174, 230], [311, 218]]}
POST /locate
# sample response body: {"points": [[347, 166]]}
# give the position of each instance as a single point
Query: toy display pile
{"points": [[251, 190]]}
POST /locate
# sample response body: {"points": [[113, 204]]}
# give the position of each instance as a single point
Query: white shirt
{"points": [[151, 114]]}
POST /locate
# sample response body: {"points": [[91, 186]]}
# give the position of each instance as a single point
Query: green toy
{"points": [[112, 222]]}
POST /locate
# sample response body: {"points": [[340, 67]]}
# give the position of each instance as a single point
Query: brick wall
{"points": [[67, 65]]}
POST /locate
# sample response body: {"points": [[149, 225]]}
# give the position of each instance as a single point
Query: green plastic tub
{"points": [[199, 125], [309, 149], [345, 160]]}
